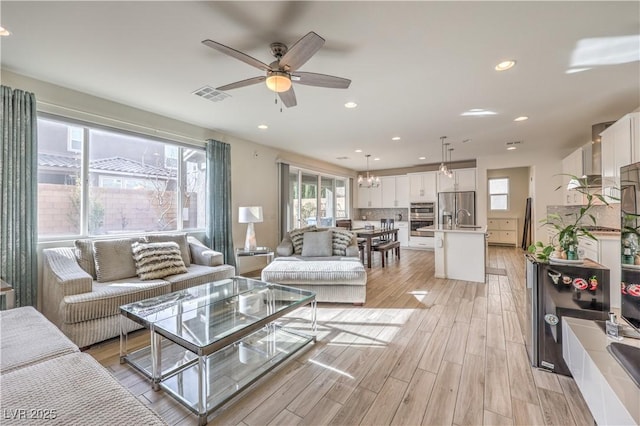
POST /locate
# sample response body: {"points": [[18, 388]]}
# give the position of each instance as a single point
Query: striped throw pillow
{"points": [[341, 240], [157, 260], [297, 237]]}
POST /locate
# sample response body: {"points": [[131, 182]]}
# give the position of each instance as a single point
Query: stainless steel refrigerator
{"points": [[462, 204]]}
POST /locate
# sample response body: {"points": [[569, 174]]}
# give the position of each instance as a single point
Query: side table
{"points": [[258, 252], [9, 294]]}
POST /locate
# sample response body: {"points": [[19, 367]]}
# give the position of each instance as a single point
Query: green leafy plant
{"points": [[570, 226]]}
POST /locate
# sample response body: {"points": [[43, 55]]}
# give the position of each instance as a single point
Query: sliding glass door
{"points": [[315, 199]]}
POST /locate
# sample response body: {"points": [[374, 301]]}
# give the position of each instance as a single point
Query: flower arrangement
{"points": [[570, 227]]}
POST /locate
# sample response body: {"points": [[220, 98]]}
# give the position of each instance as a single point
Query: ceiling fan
{"points": [[283, 71]]}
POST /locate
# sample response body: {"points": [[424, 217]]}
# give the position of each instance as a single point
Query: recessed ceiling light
{"points": [[521, 118], [358, 150], [376, 159], [350, 105], [505, 65], [478, 112], [511, 148], [263, 126], [395, 138], [4, 31], [422, 158]]}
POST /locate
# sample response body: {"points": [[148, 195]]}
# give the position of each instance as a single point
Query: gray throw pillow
{"points": [[317, 244], [114, 260], [84, 256]]}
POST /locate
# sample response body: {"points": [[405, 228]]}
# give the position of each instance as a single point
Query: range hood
{"points": [[592, 155]]}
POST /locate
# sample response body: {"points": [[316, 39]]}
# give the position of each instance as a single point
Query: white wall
{"points": [[254, 169], [518, 190], [543, 181]]}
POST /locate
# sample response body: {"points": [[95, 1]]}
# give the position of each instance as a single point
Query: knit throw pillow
{"points": [[297, 237], [341, 240], [157, 260]]}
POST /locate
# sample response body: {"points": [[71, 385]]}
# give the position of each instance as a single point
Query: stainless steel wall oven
{"points": [[422, 215]]}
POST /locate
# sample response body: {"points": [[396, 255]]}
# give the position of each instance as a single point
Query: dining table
{"points": [[369, 234]]}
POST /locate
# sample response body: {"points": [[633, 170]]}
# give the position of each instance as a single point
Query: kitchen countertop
{"points": [[474, 230]]}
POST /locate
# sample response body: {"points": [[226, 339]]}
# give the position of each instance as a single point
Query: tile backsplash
{"points": [[608, 216], [377, 214]]}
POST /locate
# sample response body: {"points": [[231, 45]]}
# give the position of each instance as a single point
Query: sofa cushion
{"points": [[321, 272], [198, 274], [28, 338], [157, 260], [319, 244], [106, 298], [297, 237], [342, 239], [114, 259], [84, 256], [75, 390], [180, 239]]}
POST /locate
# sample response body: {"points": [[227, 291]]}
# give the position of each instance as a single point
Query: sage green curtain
{"points": [[19, 196], [219, 234]]}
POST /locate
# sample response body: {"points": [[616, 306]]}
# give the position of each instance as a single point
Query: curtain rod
{"points": [[116, 120]]}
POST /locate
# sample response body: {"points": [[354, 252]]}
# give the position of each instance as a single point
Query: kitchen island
{"points": [[461, 253]]}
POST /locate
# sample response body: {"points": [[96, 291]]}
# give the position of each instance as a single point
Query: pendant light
{"points": [[370, 181], [449, 171], [443, 165]]}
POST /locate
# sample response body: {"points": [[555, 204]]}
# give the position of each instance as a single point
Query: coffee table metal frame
{"points": [[188, 356]]}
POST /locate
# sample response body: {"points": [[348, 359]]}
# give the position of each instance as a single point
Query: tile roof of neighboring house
{"points": [[112, 164]]}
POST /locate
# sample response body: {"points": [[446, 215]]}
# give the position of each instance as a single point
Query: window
{"points": [[115, 182], [499, 193], [316, 199], [76, 137]]}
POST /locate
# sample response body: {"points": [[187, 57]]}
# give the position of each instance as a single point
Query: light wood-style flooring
{"points": [[420, 351]]}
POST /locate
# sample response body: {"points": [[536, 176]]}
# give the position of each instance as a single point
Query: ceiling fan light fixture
{"points": [[278, 81]]}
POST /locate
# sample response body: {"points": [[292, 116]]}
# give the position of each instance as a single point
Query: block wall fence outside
{"points": [[124, 210]]}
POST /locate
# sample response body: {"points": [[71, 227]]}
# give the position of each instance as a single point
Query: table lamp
{"points": [[250, 215]]}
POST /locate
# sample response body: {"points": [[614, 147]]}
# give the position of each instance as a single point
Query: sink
{"points": [[469, 226]]}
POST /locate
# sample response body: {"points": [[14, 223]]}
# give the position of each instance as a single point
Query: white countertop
{"points": [[442, 228], [595, 342]]}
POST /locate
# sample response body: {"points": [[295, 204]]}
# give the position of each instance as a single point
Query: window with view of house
{"points": [[96, 181], [498, 193]]}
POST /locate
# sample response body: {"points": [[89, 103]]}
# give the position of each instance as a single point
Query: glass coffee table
{"points": [[212, 341]]}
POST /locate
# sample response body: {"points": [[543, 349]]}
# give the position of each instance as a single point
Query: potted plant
{"points": [[570, 227]]}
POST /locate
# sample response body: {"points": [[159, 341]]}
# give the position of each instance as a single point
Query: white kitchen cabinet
{"points": [[605, 251], [403, 233], [395, 191], [422, 187], [369, 198], [461, 180], [620, 146], [572, 165], [502, 231], [421, 242]]}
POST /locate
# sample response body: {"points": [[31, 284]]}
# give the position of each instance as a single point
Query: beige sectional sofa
{"points": [[45, 379], [83, 287], [331, 267]]}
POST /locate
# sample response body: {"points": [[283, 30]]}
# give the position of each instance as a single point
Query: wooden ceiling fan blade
{"points": [[301, 52], [242, 83], [321, 80], [236, 54], [288, 98]]}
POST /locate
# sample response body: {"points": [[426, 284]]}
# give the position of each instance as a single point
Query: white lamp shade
{"points": [[250, 214]]}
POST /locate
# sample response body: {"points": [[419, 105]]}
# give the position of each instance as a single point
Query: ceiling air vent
{"points": [[211, 94], [514, 143]]}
